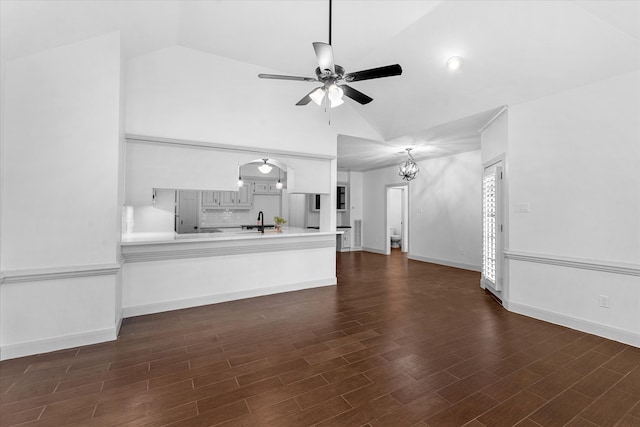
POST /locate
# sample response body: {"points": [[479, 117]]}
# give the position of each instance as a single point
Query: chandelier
{"points": [[409, 169]]}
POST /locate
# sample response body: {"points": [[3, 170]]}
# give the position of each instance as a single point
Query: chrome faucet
{"points": [[261, 221]]}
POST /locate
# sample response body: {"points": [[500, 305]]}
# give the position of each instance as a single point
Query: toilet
{"points": [[395, 238]]}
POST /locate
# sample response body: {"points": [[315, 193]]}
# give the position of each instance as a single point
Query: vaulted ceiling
{"points": [[513, 51]]}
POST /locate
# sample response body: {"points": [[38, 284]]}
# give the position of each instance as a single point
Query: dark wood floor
{"points": [[396, 343]]}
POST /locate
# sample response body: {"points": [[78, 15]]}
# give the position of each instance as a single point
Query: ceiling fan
{"points": [[333, 77]]}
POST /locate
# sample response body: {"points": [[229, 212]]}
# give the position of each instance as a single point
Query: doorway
{"points": [[397, 217]]}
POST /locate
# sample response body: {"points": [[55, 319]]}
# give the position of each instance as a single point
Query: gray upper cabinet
{"points": [[265, 187], [241, 199], [244, 198]]}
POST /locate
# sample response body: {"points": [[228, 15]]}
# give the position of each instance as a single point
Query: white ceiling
{"points": [[514, 51]]}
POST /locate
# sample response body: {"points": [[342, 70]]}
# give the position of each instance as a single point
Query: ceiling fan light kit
{"points": [[317, 96], [333, 77]]}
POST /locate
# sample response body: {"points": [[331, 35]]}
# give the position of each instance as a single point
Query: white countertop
{"points": [[172, 237]]}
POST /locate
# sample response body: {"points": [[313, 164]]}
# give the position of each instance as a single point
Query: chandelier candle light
{"points": [[409, 169]]}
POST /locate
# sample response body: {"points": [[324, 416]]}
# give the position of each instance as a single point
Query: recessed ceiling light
{"points": [[454, 62]]}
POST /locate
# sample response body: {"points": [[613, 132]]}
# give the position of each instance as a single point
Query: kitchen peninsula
{"points": [[167, 271], [184, 243]]}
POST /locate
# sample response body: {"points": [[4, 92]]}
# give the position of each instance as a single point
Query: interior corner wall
{"points": [[574, 159], [60, 212], [444, 210]]}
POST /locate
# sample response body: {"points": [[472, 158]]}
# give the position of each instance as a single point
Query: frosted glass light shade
{"points": [[317, 96], [265, 168], [335, 94], [279, 185]]}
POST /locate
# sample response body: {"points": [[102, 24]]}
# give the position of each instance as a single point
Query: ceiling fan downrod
{"points": [[330, 21]]}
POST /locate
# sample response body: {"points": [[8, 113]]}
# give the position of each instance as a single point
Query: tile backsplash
{"points": [[219, 218]]}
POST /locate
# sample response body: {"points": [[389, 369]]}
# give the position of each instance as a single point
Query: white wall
{"points": [[445, 214], [187, 94], [60, 212], [60, 163], [444, 210], [574, 157]]}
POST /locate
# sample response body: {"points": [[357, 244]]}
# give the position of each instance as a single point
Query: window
{"points": [[491, 227]]}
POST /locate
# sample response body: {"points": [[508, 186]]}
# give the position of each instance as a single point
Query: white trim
{"points": [[159, 307], [495, 162], [119, 323], [448, 263], [171, 252], [12, 351], [494, 118], [57, 273], [216, 146], [581, 263], [374, 250], [610, 332]]}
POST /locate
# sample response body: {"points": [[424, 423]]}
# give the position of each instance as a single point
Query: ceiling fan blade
{"points": [[374, 73], [324, 53], [281, 77], [356, 95], [304, 101], [307, 98]]}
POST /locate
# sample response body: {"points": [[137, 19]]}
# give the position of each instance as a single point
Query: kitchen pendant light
{"points": [[265, 168], [408, 169], [279, 183]]}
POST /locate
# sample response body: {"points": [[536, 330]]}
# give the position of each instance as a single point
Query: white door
{"points": [[492, 228], [187, 221]]}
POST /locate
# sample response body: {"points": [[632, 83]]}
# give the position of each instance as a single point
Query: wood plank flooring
{"points": [[396, 343]]}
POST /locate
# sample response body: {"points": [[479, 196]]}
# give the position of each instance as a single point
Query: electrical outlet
{"points": [[604, 301]]}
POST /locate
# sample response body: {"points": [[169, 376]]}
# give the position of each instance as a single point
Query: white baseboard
{"points": [[448, 263], [12, 351], [610, 332], [140, 310], [374, 250]]}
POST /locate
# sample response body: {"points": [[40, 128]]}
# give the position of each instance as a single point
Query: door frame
{"points": [[406, 241], [502, 291]]}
